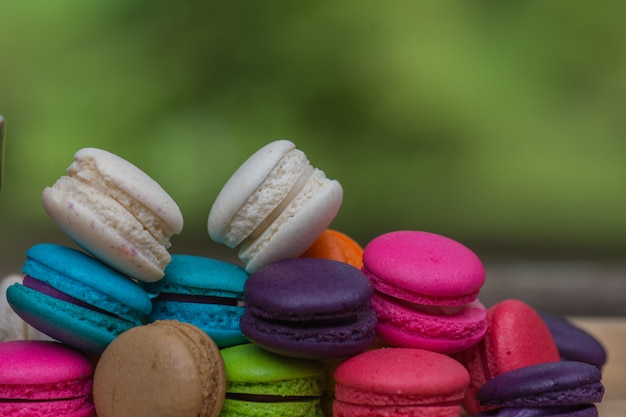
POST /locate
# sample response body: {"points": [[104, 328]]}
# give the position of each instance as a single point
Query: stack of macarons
{"points": [[122, 221], [310, 322]]}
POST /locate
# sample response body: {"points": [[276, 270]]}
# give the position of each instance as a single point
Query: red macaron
{"points": [[399, 381], [516, 337]]}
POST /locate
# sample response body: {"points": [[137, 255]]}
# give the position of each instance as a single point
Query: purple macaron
{"points": [[309, 308], [564, 383], [584, 410], [573, 343]]}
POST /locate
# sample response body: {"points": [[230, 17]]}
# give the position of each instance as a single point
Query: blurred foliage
{"points": [[497, 123]]}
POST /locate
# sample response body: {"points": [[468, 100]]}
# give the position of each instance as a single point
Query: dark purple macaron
{"points": [[573, 343], [309, 308], [561, 383], [584, 410]]}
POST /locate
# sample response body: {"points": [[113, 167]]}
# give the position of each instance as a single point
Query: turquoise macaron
{"points": [[202, 291], [75, 298]]}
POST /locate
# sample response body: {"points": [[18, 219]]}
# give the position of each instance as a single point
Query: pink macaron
{"points": [[399, 381], [44, 379], [426, 288]]}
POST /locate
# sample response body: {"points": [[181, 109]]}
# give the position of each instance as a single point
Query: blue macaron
{"points": [[205, 292], [75, 298]]}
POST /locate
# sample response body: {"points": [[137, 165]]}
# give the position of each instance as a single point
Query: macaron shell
{"points": [[307, 289], [129, 184], [234, 408], [221, 322], [585, 410], [295, 230], [246, 179], [309, 340], [399, 379], [544, 384], [516, 337], [332, 244], [573, 342], [73, 407], [404, 326], [52, 379], [423, 268], [176, 368], [253, 370], [119, 240], [55, 370], [83, 277], [76, 326]]}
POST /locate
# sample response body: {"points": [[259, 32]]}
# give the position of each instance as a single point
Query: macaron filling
{"points": [[201, 299], [280, 186], [39, 286], [110, 306]]}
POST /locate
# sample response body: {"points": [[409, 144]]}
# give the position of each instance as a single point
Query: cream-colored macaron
{"points": [[116, 212], [274, 206]]}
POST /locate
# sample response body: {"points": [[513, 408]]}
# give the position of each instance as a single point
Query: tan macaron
{"points": [[166, 368]]}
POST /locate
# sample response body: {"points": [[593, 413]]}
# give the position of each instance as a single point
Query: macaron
{"points": [[166, 368], [399, 381], [205, 292], [309, 308], [516, 337], [12, 327], [76, 299], [426, 287], [115, 211], [564, 383], [574, 343], [274, 206], [262, 383], [44, 379], [332, 244], [585, 410]]}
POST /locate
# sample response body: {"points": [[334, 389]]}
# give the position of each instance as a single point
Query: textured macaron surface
{"points": [[573, 342], [115, 211], [253, 370], [332, 244], [198, 275], [43, 370], [307, 289], [423, 268], [267, 384], [310, 308], [166, 368], [545, 384], [516, 337], [85, 278], [584, 410], [275, 205], [395, 378], [202, 291]]}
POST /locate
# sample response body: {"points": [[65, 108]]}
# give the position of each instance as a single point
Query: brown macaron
{"points": [[166, 368]]}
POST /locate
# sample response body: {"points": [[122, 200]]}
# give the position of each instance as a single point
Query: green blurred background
{"points": [[499, 124]]}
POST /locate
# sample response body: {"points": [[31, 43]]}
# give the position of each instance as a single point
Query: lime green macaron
{"points": [[262, 383]]}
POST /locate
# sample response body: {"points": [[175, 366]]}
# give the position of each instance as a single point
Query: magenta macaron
{"points": [[399, 382], [426, 288], [44, 379]]}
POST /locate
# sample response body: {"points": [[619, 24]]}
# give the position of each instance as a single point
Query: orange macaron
{"points": [[336, 246]]}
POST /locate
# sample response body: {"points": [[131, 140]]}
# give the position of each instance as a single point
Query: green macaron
{"points": [[262, 383]]}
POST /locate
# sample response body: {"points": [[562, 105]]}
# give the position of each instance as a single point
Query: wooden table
{"points": [[612, 334]]}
